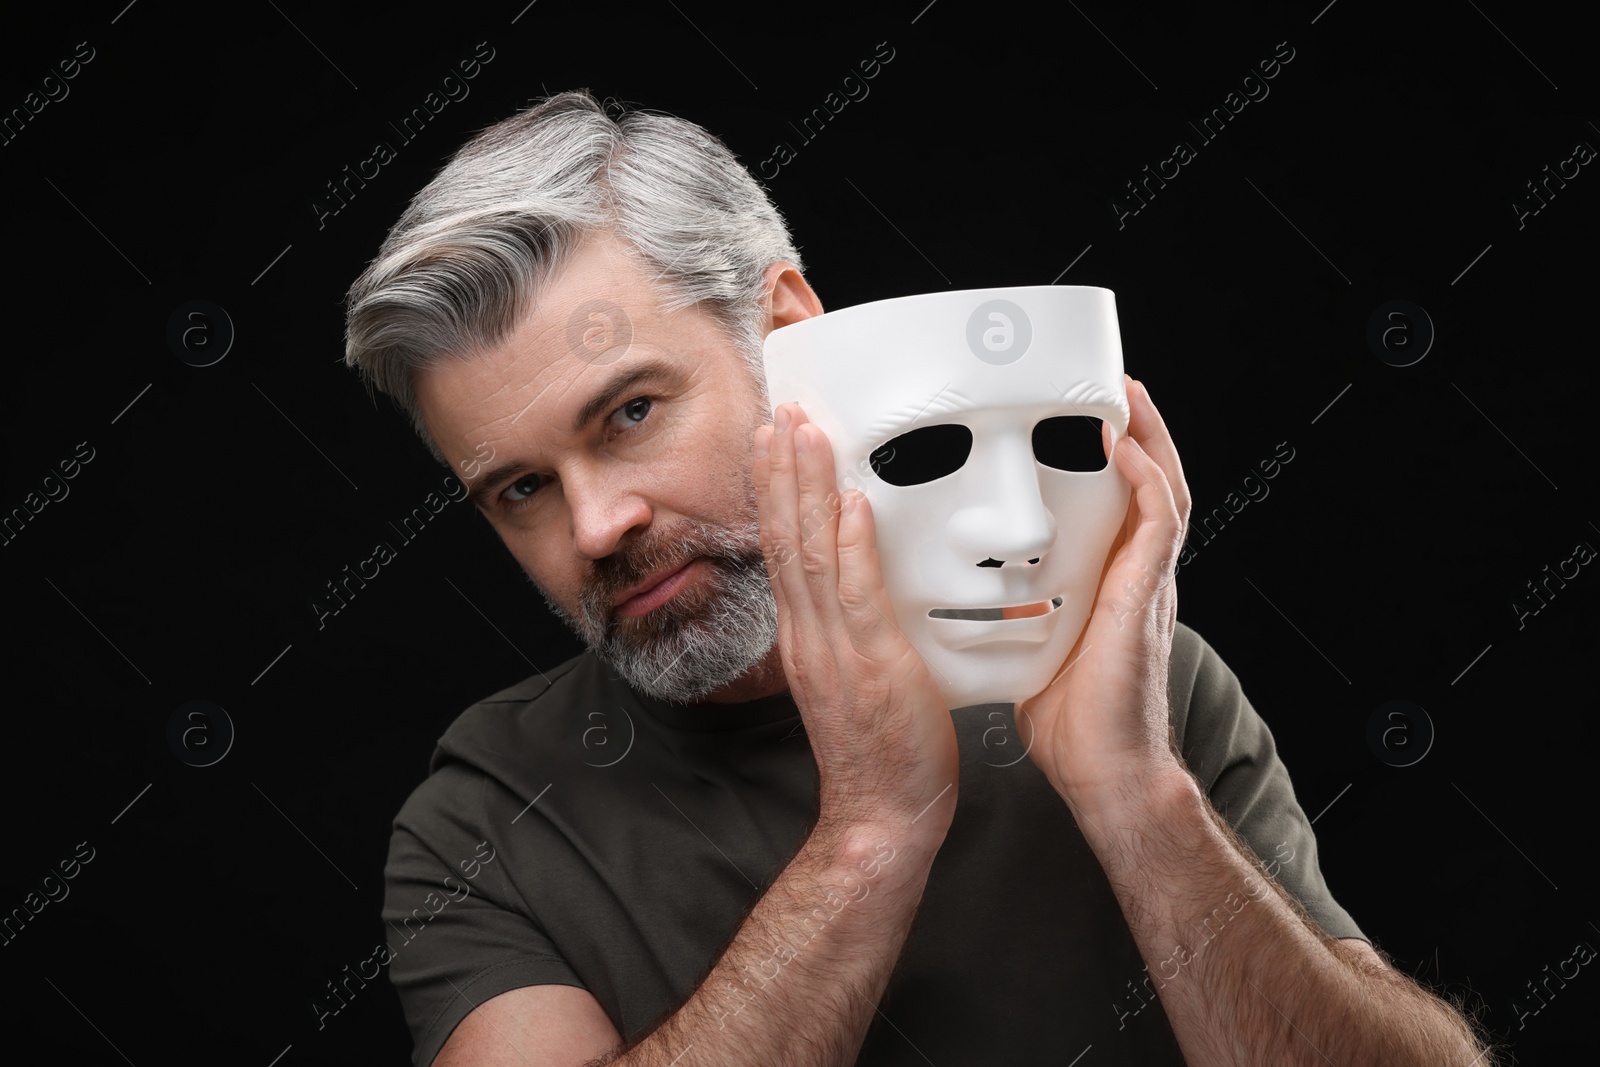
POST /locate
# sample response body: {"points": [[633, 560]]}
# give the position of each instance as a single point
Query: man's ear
{"points": [[789, 297]]}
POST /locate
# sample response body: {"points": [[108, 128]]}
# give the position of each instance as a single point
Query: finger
{"points": [[776, 490], [818, 510], [1146, 426], [786, 534], [1154, 541], [773, 547], [861, 591], [761, 475], [863, 598], [1130, 518]]}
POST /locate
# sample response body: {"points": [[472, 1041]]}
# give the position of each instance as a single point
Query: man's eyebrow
{"points": [[636, 373], [599, 404], [480, 489]]}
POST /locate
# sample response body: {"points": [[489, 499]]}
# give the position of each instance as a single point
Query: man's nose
{"points": [[603, 511], [1005, 520]]}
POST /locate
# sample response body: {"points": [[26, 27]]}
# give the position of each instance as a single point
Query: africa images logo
{"points": [[999, 332]]}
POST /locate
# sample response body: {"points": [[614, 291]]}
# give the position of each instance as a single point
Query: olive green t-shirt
{"points": [[575, 832]]}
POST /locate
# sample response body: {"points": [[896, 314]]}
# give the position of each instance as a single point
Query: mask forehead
{"points": [[866, 373]]}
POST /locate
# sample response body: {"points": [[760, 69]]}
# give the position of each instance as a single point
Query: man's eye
{"points": [[521, 489], [636, 409]]}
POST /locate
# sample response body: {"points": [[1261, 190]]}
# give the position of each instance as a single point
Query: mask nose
{"points": [[1005, 523]]}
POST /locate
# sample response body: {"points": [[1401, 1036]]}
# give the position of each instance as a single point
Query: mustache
{"points": [[736, 547]]}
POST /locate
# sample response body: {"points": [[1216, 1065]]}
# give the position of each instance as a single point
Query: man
{"points": [[705, 840]]}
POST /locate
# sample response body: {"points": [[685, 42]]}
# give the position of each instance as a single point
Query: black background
{"points": [[1383, 565]]}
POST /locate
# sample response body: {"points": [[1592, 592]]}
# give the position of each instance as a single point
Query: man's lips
{"points": [[654, 591]]}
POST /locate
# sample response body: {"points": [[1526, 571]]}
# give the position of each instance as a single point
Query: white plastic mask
{"points": [[971, 421]]}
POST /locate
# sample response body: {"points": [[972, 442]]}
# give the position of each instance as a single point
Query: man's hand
{"points": [[1273, 988], [1100, 730], [880, 731]]}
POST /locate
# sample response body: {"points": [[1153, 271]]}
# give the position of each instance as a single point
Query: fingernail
{"points": [[763, 441], [800, 445], [781, 420]]}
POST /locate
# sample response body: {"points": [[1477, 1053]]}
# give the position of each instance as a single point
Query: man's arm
{"points": [[798, 985], [1243, 975], [801, 981]]}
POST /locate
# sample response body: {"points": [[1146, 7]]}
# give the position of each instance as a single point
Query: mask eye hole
{"points": [[1069, 443], [922, 455]]}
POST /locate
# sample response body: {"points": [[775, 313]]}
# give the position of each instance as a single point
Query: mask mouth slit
{"points": [[1005, 614]]}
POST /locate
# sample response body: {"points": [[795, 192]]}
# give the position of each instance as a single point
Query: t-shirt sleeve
{"points": [[1230, 749], [456, 938]]}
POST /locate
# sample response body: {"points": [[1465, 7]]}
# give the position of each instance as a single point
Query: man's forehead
{"points": [[486, 392], [516, 388], [580, 326]]}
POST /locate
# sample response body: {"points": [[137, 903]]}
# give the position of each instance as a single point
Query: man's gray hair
{"points": [[461, 266]]}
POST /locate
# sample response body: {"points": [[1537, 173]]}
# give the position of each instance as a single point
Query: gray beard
{"points": [[701, 639]]}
